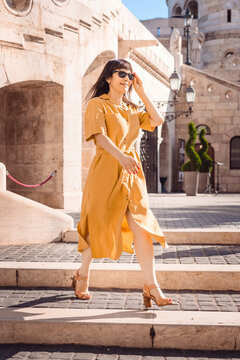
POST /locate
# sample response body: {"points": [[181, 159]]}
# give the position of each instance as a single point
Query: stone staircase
{"points": [[38, 306]]}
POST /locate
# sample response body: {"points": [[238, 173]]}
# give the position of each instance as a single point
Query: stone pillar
{"points": [[2, 177], [72, 148]]}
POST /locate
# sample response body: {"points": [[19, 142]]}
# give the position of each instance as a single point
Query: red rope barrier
{"points": [[32, 186]]}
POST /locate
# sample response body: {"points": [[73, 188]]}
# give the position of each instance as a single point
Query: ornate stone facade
{"points": [[217, 82]]}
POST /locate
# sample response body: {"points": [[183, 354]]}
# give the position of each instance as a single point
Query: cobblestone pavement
{"points": [[185, 300], [178, 211], [175, 254], [77, 352]]}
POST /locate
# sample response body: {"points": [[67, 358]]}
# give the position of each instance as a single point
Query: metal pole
{"points": [[188, 62]]}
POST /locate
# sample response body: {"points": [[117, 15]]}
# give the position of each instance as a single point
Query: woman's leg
{"points": [[145, 254], [85, 268]]}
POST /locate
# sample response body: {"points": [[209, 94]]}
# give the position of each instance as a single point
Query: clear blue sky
{"points": [[147, 9]]}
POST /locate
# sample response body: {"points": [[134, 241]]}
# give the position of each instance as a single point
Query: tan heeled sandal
{"points": [[83, 295], [148, 297]]}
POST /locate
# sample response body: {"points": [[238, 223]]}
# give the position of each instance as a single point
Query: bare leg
{"points": [[85, 268], [145, 254]]}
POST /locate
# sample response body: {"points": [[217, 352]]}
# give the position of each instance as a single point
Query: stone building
{"points": [[215, 76], [51, 52]]}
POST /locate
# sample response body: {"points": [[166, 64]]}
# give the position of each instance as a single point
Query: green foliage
{"points": [[205, 158], [194, 162]]}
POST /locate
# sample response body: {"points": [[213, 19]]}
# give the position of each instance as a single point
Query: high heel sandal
{"points": [[83, 295], [148, 297]]}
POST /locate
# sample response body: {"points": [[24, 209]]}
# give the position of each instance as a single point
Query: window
{"points": [[207, 129], [235, 153], [230, 53], [229, 16], [158, 31]]}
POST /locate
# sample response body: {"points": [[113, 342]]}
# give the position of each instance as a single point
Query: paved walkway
{"points": [[178, 211], [175, 254], [185, 300], [76, 352]]}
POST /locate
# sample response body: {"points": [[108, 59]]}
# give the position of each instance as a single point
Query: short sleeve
{"points": [[144, 121], [94, 120]]}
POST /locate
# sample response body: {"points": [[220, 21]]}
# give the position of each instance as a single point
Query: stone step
{"points": [[183, 236], [121, 275], [203, 330]]}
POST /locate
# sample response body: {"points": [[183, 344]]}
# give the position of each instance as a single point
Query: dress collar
{"points": [[107, 97]]}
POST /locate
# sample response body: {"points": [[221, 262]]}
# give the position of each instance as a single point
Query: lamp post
{"points": [[187, 24]]}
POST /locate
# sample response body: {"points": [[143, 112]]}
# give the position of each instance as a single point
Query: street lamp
{"points": [[187, 24], [175, 85]]}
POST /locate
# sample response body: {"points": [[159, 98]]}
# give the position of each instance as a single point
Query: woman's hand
{"points": [[129, 163], [137, 84]]}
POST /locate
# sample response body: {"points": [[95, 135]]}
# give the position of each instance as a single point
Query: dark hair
{"points": [[102, 87]]}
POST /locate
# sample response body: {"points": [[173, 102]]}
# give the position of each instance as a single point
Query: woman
{"points": [[115, 210]]}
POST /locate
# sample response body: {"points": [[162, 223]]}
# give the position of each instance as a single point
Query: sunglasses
{"points": [[123, 74]]}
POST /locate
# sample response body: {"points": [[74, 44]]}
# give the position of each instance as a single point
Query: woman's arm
{"points": [[126, 161], [156, 118]]}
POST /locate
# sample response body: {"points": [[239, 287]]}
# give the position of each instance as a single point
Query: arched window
{"points": [[158, 31], [235, 153], [177, 10], [229, 53], [193, 8], [200, 127], [229, 15]]}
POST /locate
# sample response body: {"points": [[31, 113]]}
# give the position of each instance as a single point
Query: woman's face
{"points": [[118, 83]]}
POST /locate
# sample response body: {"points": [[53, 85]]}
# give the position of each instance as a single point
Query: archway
{"points": [[89, 78], [177, 10], [31, 138], [164, 159], [192, 5]]}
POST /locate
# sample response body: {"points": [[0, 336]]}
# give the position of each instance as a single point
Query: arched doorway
{"points": [[31, 138], [149, 159], [89, 78], [164, 159]]}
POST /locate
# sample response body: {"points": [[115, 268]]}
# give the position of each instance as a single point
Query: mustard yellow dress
{"points": [[109, 189]]}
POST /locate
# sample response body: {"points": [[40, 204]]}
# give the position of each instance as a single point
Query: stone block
{"points": [[202, 330], [7, 276], [234, 188], [223, 112], [128, 276], [223, 119], [44, 224]]}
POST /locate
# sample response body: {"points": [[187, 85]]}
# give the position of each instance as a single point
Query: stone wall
{"points": [[64, 43], [217, 106]]}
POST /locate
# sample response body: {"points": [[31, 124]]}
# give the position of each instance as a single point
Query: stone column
{"points": [[72, 130], [2, 177]]}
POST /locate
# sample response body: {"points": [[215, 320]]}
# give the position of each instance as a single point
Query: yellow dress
{"points": [[109, 189]]}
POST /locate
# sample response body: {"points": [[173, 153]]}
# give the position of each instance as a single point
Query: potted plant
{"points": [[207, 162], [192, 166]]}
